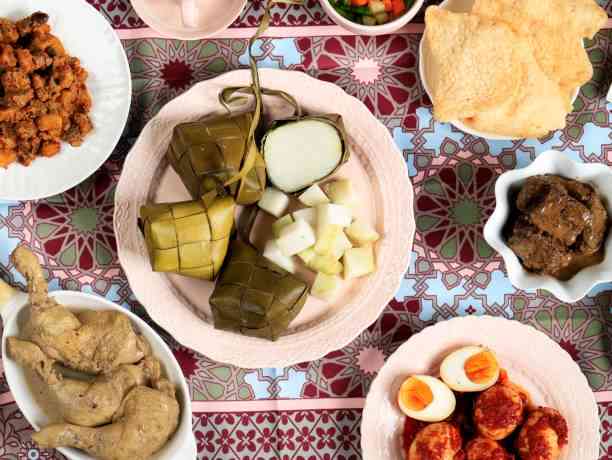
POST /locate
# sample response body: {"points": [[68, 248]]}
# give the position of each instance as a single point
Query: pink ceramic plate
{"points": [[188, 19], [531, 358], [180, 305]]}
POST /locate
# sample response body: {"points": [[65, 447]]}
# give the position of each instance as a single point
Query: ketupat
{"points": [[212, 151], [189, 238], [254, 296]]}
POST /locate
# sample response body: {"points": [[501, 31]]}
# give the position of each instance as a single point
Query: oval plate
{"points": [[532, 360], [180, 305], [88, 36]]}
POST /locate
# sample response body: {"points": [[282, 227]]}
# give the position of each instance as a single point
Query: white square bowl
{"points": [[550, 162]]}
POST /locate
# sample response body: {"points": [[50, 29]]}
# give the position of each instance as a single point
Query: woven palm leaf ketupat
{"points": [[189, 238], [212, 151], [254, 296]]}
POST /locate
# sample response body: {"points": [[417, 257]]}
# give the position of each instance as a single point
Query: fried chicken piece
{"points": [[91, 341], [499, 411], [543, 435], [482, 448], [145, 421], [85, 403], [438, 441]]}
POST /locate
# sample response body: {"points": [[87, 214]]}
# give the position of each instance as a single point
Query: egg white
{"points": [[442, 405], [452, 371]]}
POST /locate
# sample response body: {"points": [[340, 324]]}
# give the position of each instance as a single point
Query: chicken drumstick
{"points": [[94, 341], [142, 425], [85, 403]]}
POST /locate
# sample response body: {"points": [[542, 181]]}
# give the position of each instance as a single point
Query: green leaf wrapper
{"points": [[189, 238], [254, 296], [210, 152]]}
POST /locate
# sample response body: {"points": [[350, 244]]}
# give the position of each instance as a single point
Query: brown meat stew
{"points": [[557, 226]]}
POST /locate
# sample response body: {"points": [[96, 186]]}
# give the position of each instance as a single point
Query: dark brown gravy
{"points": [[557, 226]]}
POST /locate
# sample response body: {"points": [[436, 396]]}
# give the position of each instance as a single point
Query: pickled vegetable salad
{"points": [[371, 12]]}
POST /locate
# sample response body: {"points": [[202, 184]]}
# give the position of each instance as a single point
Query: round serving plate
{"points": [[207, 17], [180, 304], [532, 360], [458, 6], [88, 36]]}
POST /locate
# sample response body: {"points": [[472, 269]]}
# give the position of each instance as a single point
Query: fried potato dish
{"points": [[43, 96], [510, 67]]}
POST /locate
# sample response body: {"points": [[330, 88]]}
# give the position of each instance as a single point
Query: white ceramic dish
{"points": [[15, 306], [459, 6], [551, 162], [180, 305], [88, 36], [189, 19], [382, 29], [551, 377]]}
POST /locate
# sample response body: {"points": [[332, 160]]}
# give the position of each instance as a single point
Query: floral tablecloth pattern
{"points": [[312, 410]]}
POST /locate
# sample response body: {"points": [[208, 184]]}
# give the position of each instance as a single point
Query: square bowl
{"points": [[381, 29], [550, 162]]}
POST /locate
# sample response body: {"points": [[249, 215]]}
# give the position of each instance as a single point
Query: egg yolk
{"points": [[415, 394], [481, 367]]}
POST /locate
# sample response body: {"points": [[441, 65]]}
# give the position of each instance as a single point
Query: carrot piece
{"points": [[399, 6], [7, 157], [388, 5], [50, 148], [359, 2]]}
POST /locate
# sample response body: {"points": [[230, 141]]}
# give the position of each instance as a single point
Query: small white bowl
{"points": [[15, 305], [382, 29], [461, 6], [551, 162]]}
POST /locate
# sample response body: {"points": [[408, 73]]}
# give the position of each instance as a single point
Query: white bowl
{"points": [[211, 17], [551, 162], [180, 446], [461, 6], [382, 29]]}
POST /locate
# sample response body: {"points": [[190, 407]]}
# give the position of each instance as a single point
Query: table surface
{"points": [[313, 410]]}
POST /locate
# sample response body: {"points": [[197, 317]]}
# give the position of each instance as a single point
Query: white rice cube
{"points": [[274, 201]]}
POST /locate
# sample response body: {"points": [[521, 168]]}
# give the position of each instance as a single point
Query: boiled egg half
{"points": [[469, 369], [426, 398]]}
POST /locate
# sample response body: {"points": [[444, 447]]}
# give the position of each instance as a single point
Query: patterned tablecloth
{"points": [[313, 410]]}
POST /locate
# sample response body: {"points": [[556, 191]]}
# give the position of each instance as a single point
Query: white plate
{"points": [[88, 36], [531, 358], [180, 305], [14, 313], [460, 6]]}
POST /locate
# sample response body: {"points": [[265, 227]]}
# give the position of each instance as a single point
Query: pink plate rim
{"points": [[167, 307], [531, 357]]}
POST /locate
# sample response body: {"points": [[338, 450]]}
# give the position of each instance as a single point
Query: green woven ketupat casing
{"points": [[210, 152], [189, 238], [254, 296]]}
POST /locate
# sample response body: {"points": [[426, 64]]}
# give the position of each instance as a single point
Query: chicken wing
{"points": [[92, 341], [85, 403], [142, 425]]}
